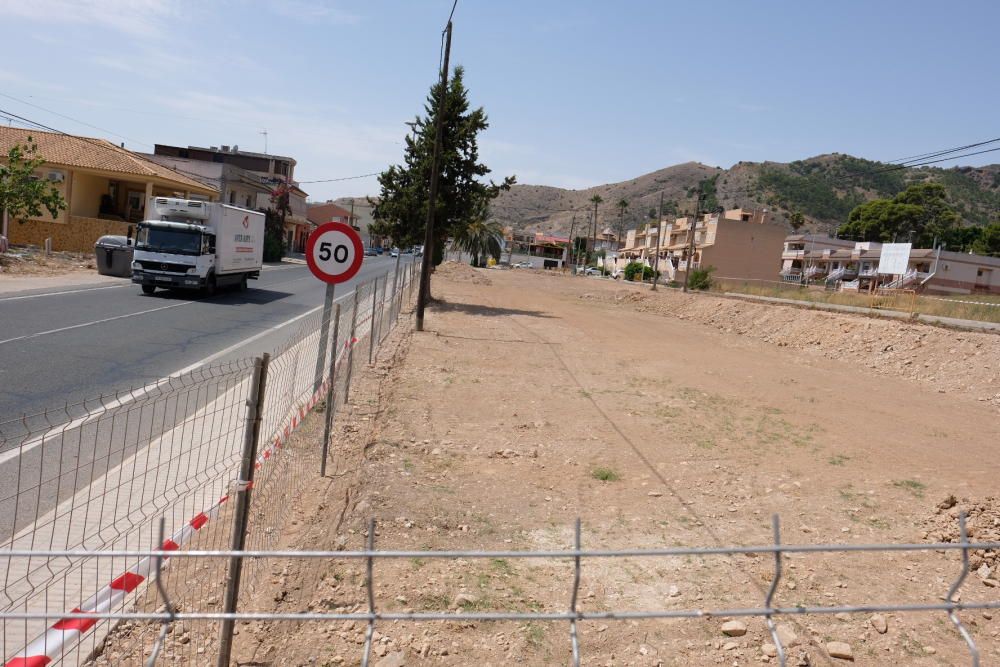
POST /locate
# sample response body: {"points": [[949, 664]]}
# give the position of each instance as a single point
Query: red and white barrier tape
{"points": [[61, 636]]}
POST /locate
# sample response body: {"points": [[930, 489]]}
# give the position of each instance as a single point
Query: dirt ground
{"points": [[31, 261], [669, 420]]}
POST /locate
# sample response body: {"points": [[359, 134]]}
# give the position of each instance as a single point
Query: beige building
{"points": [[847, 265], [105, 187], [737, 243]]}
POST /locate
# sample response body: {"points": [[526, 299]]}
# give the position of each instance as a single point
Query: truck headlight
{"points": [[192, 270]]}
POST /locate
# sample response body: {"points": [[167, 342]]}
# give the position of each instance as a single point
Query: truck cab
{"points": [[172, 254]]}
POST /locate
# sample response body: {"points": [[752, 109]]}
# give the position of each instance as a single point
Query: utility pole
{"points": [[572, 246], [691, 232], [656, 262], [594, 232], [425, 264]]}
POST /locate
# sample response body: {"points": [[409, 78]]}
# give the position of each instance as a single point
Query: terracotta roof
{"points": [[89, 153], [320, 213]]}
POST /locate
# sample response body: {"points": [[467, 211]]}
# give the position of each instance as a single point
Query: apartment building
{"points": [[848, 265], [244, 179], [737, 243]]}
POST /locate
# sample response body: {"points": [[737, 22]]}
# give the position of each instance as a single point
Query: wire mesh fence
{"points": [[113, 472], [365, 605]]}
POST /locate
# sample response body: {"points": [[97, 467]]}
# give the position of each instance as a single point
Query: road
{"points": [[64, 347]]}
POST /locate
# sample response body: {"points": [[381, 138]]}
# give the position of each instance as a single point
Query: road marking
{"points": [[265, 269], [138, 393], [72, 291], [87, 324]]}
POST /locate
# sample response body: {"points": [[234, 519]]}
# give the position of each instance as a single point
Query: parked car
{"points": [[394, 252], [593, 271], [522, 265], [370, 252]]}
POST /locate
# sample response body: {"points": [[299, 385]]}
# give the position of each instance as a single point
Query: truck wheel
{"points": [[148, 289], [210, 286], [243, 283]]}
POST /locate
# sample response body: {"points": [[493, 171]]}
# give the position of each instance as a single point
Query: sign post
{"points": [[334, 254]]}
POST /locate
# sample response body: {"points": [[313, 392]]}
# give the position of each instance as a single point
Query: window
{"points": [[232, 197]]}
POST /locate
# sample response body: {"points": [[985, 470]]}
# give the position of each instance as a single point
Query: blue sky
{"points": [[578, 93]]}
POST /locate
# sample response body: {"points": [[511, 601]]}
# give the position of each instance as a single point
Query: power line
{"points": [[344, 178], [70, 118], [941, 152]]}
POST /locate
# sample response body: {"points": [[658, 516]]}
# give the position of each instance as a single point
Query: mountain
{"points": [[824, 189]]}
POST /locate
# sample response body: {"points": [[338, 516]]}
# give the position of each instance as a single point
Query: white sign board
{"points": [[894, 258]]}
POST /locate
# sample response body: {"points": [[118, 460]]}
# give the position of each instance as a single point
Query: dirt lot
{"points": [[534, 399], [30, 261]]}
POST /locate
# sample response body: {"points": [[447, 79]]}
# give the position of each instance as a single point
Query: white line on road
{"points": [[138, 393], [87, 324], [71, 291]]}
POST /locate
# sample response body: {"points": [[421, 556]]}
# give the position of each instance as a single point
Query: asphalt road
{"points": [[62, 347], [65, 346]]}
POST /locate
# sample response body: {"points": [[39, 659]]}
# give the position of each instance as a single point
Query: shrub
{"points": [[274, 248], [701, 278], [633, 269]]}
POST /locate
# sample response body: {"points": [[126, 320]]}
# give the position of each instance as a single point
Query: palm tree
{"points": [[481, 239], [622, 205], [596, 199]]}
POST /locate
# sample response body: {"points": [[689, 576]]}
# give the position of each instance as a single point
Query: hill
{"points": [[823, 188]]}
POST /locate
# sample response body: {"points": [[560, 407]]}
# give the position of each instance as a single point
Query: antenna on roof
{"points": [[264, 132]]}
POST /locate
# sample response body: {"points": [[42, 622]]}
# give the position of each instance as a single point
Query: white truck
{"points": [[193, 244]]}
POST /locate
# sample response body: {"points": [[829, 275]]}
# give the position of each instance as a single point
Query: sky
{"points": [[578, 93]]}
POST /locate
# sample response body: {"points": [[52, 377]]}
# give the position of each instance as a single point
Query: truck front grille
{"points": [[164, 266]]}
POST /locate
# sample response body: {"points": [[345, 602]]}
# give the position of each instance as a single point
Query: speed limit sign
{"points": [[334, 252]]}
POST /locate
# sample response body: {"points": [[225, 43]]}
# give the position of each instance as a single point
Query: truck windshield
{"points": [[174, 241]]}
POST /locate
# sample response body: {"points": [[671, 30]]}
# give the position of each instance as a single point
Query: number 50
{"points": [[339, 253]]}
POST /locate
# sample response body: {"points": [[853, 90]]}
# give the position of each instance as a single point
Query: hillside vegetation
{"points": [[824, 189]]}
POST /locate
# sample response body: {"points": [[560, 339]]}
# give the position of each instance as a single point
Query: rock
{"points": [[674, 592], [730, 646], [843, 616], [770, 650], [655, 494], [992, 583], [734, 628], [987, 614], [840, 650], [930, 650], [880, 623], [786, 635], [948, 503], [983, 571], [397, 659]]}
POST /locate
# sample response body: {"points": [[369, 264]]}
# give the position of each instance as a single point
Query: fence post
{"points": [[381, 310], [371, 329], [324, 336], [330, 393], [350, 345], [395, 281], [241, 515]]}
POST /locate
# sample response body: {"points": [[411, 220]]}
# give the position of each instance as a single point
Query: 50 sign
{"points": [[334, 252]]}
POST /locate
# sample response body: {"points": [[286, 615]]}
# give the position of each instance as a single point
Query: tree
{"points": [[622, 206], [796, 220], [481, 239], [595, 200], [274, 224], [463, 198], [988, 242], [919, 214], [22, 194]]}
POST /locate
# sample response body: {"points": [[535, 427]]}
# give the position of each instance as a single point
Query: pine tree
{"points": [[463, 197]]}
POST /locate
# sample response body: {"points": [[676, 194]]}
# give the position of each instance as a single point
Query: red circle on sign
{"points": [[322, 252]]}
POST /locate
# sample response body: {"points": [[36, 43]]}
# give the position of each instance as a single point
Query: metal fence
{"points": [[182, 455], [159, 624]]}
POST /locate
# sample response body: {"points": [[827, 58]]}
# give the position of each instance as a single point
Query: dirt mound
{"points": [[459, 271], [952, 361], [983, 525]]}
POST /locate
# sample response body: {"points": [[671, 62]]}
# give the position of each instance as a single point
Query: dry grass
{"points": [[956, 307]]}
